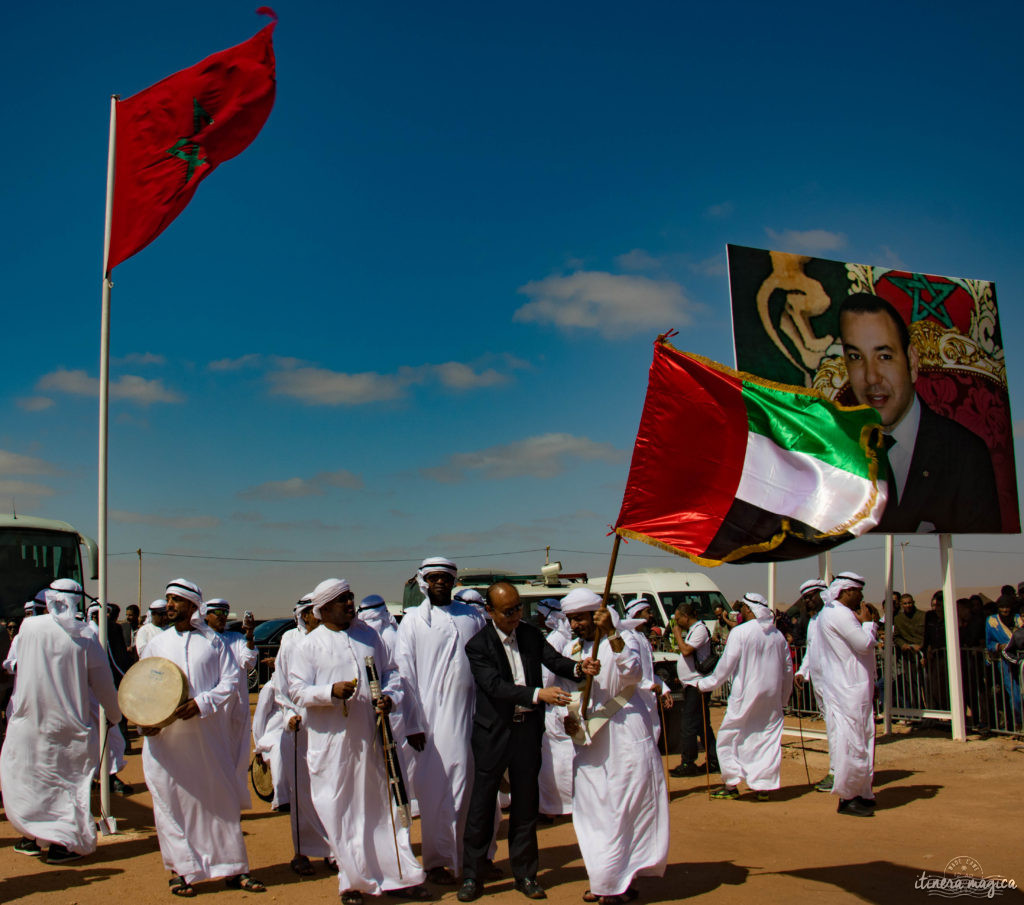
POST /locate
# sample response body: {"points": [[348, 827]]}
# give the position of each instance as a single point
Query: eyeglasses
{"points": [[439, 578], [511, 611]]}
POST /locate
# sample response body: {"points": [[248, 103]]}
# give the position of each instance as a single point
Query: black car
{"points": [[268, 641]]}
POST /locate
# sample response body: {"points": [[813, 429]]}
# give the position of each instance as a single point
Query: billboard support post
{"points": [[958, 724]]}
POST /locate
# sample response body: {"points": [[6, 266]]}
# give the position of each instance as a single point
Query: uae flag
{"points": [[729, 468], [172, 135]]}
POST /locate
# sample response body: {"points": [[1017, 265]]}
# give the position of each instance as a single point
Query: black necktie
{"points": [[894, 494]]}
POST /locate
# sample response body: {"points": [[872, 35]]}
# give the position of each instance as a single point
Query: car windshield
{"points": [[266, 630], [704, 601]]}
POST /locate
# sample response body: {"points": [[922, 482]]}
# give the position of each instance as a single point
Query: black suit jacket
{"points": [[497, 695], [951, 483]]}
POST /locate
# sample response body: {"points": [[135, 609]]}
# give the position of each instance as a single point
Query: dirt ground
{"points": [[938, 801]]}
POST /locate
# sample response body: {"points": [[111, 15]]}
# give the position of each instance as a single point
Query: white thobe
{"points": [[309, 837], [556, 748], [749, 741], [190, 764], [433, 663], [620, 802], [47, 765], [239, 715], [146, 633], [383, 623], [847, 660], [268, 734], [810, 668], [650, 687], [346, 763]]}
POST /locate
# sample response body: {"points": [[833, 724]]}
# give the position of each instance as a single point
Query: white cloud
{"points": [[616, 305], [296, 488], [15, 463], [141, 358], [539, 457], [320, 386], [252, 360], [720, 211], [178, 522], [9, 489], [130, 388], [808, 241], [35, 403], [458, 376], [637, 259]]}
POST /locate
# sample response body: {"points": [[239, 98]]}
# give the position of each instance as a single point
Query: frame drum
{"points": [[151, 691]]}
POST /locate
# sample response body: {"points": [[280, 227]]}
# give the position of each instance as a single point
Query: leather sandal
{"points": [[179, 886], [302, 866], [245, 882]]}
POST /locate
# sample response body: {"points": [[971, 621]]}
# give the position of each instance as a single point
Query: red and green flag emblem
{"points": [[172, 135]]}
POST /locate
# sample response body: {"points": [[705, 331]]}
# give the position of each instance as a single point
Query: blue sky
{"points": [[416, 315]]}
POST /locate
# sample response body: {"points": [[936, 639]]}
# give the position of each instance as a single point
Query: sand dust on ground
{"points": [[941, 804]]}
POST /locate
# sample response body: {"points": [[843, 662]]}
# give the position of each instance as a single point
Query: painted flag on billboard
{"points": [[729, 468], [172, 135]]}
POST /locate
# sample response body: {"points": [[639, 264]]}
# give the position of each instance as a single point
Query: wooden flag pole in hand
{"points": [[585, 697]]}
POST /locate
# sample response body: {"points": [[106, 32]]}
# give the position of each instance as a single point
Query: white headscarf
{"points": [[63, 599], [326, 591], [304, 603], [843, 581], [373, 610], [812, 584], [215, 603], [434, 564], [188, 590], [551, 609], [759, 607], [580, 600], [635, 606], [469, 595]]}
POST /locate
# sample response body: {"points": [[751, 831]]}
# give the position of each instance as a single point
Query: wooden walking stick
{"points": [[585, 696], [707, 747]]}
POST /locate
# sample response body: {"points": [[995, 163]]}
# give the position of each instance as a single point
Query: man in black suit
{"points": [[942, 478], [506, 658]]}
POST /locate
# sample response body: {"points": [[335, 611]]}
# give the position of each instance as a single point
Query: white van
{"points": [[664, 589]]}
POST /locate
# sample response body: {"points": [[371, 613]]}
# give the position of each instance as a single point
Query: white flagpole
{"points": [[888, 650], [106, 819], [958, 722]]}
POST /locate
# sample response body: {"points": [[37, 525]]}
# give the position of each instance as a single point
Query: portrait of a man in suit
{"points": [[506, 657], [942, 478]]}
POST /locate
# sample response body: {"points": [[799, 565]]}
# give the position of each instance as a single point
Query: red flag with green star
{"points": [[172, 135]]}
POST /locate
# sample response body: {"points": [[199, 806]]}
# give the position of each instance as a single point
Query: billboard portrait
{"points": [[925, 351]]}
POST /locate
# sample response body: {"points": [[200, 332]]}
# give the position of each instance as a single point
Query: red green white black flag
{"points": [[728, 467]]}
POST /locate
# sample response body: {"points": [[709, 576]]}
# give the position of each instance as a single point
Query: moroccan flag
{"points": [[172, 135], [731, 468]]}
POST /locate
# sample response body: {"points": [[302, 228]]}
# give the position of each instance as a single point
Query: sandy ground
{"points": [[938, 801]]}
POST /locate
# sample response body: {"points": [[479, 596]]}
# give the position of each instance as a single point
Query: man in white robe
{"points": [[620, 802], [635, 628], [846, 641], [756, 659], [190, 764], [346, 764], [242, 648], [432, 662], [556, 748], [309, 838], [268, 732], [810, 665], [47, 764], [153, 626]]}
